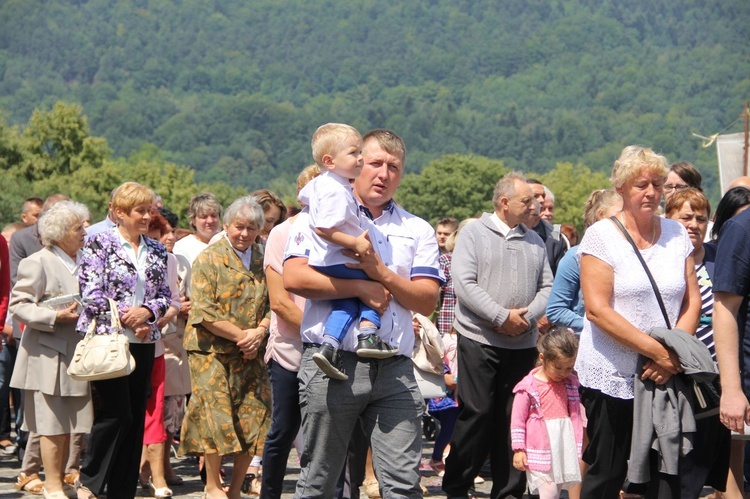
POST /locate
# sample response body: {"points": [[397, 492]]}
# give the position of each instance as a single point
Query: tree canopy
{"points": [[234, 88]]}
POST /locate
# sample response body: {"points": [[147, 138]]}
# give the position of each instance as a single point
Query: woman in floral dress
{"points": [[230, 406]]}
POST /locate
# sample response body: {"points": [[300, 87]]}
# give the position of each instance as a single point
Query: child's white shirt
{"points": [[331, 204]]}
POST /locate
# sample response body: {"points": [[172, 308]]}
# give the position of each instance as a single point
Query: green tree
{"points": [[58, 143], [572, 185], [454, 185]]}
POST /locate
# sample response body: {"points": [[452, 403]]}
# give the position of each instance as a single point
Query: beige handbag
{"points": [[102, 356], [428, 360]]}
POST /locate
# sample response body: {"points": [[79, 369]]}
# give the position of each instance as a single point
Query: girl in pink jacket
{"points": [[546, 427]]}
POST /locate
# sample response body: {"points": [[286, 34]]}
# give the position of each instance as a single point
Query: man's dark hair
{"points": [[449, 221], [533, 181]]}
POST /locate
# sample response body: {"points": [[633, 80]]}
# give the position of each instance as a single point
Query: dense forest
{"points": [[234, 88]]}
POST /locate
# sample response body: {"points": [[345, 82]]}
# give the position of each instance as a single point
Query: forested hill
{"points": [[234, 88]]}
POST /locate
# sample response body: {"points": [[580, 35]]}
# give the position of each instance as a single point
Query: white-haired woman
{"points": [[45, 299], [230, 406]]}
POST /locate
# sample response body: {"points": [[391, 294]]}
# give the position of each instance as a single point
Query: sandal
{"points": [[29, 483], [251, 485], [372, 488], [80, 487], [70, 478]]}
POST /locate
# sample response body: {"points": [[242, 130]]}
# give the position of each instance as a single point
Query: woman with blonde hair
{"points": [[122, 266], [622, 312]]}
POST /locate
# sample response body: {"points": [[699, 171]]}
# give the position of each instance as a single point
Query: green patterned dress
{"points": [[230, 406]]}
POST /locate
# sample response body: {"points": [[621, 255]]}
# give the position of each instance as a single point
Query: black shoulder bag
{"points": [[707, 395]]}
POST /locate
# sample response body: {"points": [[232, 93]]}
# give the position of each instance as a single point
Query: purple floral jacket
{"points": [[106, 271]]}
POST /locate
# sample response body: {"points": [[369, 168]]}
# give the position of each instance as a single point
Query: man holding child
{"points": [[381, 393]]}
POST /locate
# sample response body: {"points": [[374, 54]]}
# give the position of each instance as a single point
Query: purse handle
{"points": [[645, 267], [114, 318]]}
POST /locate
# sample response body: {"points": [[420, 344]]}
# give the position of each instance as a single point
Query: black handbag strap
{"points": [[645, 267]]}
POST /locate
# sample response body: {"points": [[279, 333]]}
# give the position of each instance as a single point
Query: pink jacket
{"points": [[528, 431]]}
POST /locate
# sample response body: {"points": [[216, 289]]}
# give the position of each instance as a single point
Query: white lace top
{"points": [[602, 363]]}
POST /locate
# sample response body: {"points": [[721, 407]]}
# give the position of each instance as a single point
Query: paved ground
{"points": [[193, 487]]}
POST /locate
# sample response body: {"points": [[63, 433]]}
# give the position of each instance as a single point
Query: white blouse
{"points": [[602, 363]]}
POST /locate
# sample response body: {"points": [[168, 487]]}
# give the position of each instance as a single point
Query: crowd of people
{"points": [[610, 364]]}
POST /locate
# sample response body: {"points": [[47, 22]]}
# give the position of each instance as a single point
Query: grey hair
{"points": [[548, 194], [58, 220], [506, 186], [245, 208]]}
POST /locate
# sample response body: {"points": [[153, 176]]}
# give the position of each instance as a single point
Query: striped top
{"points": [[705, 330]]}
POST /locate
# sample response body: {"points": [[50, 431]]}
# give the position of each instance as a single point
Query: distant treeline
{"points": [[234, 88]]}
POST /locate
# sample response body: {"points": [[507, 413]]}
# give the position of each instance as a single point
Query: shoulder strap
{"points": [[645, 267]]}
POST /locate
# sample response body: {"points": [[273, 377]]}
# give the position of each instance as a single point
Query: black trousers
{"points": [[610, 428], [113, 456], [487, 376]]}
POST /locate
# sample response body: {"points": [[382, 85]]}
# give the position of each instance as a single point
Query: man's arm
{"points": [[302, 280], [734, 407], [418, 294]]}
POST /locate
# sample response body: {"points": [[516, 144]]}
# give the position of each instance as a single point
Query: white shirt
{"points": [[406, 244], [505, 229], [603, 363], [189, 247], [139, 261], [70, 264], [331, 204], [246, 257]]}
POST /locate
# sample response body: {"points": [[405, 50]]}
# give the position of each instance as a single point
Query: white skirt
{"points": [[565, 469]]}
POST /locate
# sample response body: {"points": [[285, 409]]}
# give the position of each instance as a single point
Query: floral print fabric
{"points": [[106, 272]]}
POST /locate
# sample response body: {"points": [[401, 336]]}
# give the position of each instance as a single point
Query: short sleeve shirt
{"points": [[331, 204], [406, 244], [602, 363], [284, 342], [732, 275]]}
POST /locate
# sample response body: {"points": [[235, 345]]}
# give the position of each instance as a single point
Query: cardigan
{"points": [[528, 431], [107, 272]]}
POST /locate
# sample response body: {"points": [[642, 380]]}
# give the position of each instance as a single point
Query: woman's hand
{"points": [[141, 332], [734, 410], [662, 366], [250, 344], [67, 315], [135, 316], [450, 382], [654, 372], [167, 317], [520, 461], [185, 307]]}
